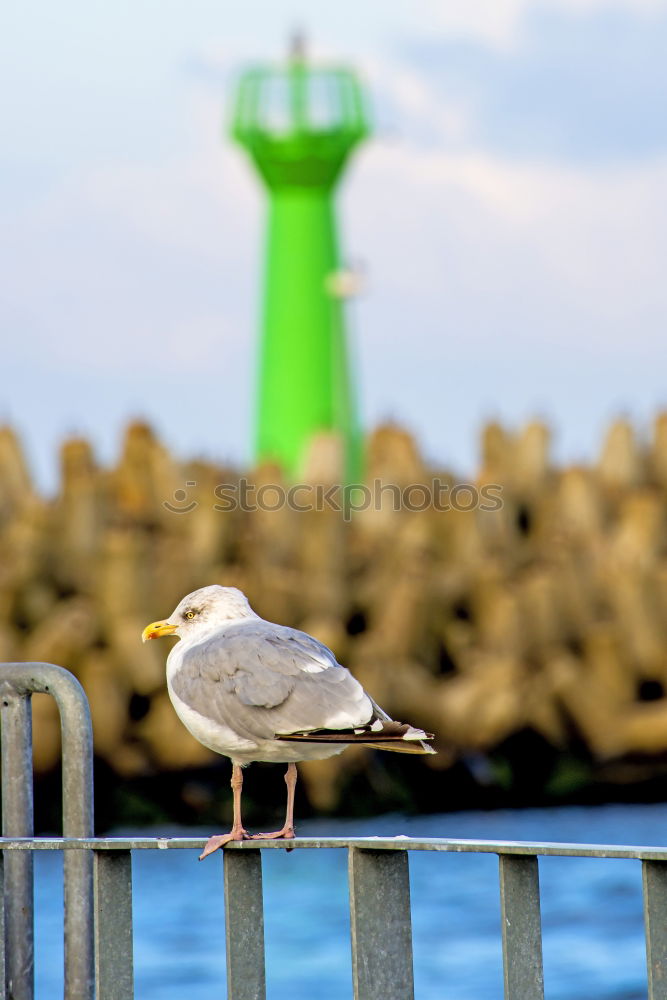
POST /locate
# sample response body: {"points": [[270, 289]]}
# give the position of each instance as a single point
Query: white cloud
{"points": [[440, 221], [415, 101], [155, 256], [155, 260], [499, 23], [495, 22], [507, 288], [448, 227]]}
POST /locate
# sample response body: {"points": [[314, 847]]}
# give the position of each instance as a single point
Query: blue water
{"points": [[591, 911]]}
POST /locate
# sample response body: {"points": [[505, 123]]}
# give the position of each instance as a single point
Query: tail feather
{"points": [[403, 747], [379, 735]]}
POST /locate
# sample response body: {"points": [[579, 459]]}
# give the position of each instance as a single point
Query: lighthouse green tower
{"points": [[299, 124]]}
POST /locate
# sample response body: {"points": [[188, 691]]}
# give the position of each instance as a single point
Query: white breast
{"points": [[213, 734]]}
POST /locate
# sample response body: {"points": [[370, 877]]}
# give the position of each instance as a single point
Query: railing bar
{"points": [[654, 879], [2, 921], [114, 971], [20, 681], [381, 925], [79, 924], [398, 844], [244, 925], [77, 796], [17, 821], [521, 928]]}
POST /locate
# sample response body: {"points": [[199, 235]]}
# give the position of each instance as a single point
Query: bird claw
{"points": [[214, 843], [287, 833]]}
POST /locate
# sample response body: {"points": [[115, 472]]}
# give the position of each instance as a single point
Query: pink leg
{"points": [[287, 832], [237, 832]]}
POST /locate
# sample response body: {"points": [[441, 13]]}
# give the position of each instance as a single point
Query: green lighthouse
{"points": [[299, 124]]}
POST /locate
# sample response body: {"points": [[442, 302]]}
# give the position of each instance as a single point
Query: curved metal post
{"points": [[17, 682], [17, 821]]}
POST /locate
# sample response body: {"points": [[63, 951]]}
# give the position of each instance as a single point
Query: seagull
{"points": [[255, 691]]}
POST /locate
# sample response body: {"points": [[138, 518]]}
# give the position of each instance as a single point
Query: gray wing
{"points": [[264, 680]]}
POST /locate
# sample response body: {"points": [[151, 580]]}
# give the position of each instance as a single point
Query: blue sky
{"points": [[510, 214]]}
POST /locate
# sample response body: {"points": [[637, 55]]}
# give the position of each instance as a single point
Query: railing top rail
{"points": [[400, 843]]}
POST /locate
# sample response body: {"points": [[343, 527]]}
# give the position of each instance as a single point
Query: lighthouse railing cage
{"points": [[98, 941], [299, 112]]}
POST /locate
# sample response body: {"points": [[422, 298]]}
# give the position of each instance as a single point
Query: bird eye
{"points": [[190, 614]]}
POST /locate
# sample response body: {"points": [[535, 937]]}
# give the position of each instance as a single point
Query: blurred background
{"points": [[506, 222]]}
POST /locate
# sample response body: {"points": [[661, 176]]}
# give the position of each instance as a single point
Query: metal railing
{"points": [[98, 883], [18, 682]]}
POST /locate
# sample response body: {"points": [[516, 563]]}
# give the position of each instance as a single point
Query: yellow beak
{"points": [[156, 629]]}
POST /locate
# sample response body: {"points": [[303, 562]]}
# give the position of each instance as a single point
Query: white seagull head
{"points": [[208, 607]]}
